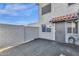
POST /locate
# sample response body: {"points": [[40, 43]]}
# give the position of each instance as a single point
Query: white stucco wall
{"points": [[57, 9], [12, 35], [44, 19]]}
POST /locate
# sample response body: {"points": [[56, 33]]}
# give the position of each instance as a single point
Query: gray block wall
{"points": [[30, 33], [12, 35]]}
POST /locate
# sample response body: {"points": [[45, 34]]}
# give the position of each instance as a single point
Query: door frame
{"points": [[54, 30], [66, 32]]}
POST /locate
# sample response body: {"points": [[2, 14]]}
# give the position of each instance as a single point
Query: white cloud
{"points": [[11, 9], [15, 7], [3, 11], [11, 13]]}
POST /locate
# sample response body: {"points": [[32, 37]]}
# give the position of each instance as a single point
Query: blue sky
{"points": [[18, 13]]}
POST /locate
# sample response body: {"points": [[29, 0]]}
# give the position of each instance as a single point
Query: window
{"points": [[46, 9], [48, 29], [70, 4], [69, 29], [45, 29], [75, 28], [72, 27]]}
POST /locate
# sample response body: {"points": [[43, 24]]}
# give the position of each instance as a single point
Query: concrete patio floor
{"points": [[42, 47]]}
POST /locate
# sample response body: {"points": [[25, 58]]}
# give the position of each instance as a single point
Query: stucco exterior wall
{"points": [[57, 9], [44, 19]]}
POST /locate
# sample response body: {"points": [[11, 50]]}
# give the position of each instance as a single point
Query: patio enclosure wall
{"points": [[12, 35]]}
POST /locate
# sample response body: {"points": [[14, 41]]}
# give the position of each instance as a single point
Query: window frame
{"points": [[45, 28], [46, 9], [48, 29], [72, 29]]}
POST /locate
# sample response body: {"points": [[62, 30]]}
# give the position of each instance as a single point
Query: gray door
{"points": [[60, 32]]}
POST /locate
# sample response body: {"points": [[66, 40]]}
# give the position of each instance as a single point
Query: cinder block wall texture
{"points": [[12, 35], [30, 33]]}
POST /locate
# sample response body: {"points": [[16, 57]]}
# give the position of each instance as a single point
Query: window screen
{"points": [[48, 29]]}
